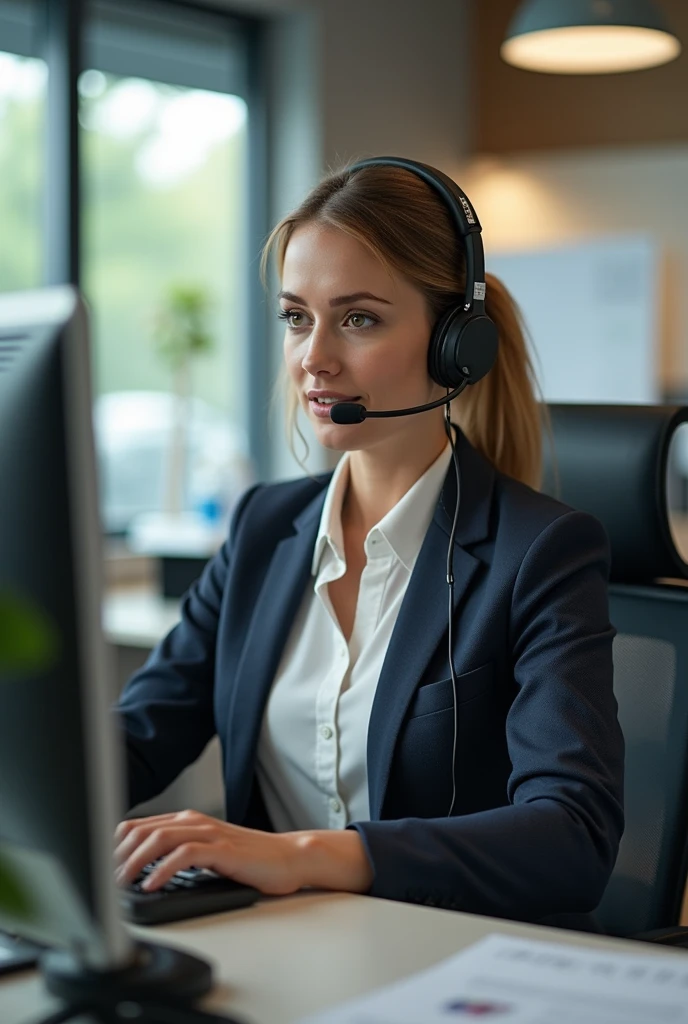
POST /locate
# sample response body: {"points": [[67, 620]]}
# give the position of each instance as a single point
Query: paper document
{"points": [[505, 980]]}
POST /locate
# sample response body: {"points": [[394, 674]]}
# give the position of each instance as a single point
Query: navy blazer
{"points": [[539, 763]]}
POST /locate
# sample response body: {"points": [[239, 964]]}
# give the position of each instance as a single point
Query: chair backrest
{"points": [[612, 461]]}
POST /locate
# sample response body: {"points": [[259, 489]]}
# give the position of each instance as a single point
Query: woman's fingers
{"points": [[271, 862], [125, 827], [191, 854], [132, 832], [260, 859], [187, 816], [150, 843]]}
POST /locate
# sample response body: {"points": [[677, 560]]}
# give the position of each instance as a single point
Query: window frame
{"points": [[60, 32]]}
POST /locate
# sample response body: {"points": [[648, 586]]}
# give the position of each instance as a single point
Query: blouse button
{"points": [[326, 732], [335, 804]]}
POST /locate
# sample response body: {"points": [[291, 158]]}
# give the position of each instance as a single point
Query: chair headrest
{"points": [[611, 461]]}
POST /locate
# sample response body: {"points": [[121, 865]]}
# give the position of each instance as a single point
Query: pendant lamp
{"points": [[582, 37]]}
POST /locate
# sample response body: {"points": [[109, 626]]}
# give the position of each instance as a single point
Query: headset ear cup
{"points": [[443, 342], [476, 349], [462, 346]]}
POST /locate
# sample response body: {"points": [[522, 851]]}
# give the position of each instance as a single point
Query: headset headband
{"points": [[464, 217]]}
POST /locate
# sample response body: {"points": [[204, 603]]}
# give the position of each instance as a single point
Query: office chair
{"points": [[612, 461]]}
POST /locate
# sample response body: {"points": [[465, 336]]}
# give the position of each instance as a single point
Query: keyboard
{"points": [[193, 892], [17, 954]]}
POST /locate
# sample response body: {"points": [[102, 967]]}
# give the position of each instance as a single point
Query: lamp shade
{"points": [[581, 37]]}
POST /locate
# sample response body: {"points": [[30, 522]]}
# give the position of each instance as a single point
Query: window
{"points": [[164, 221], [23, 78], [164, 144]]}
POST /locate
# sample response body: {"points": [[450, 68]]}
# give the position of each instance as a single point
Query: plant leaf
{"points": [[29, 641], [180, 325], [14, 898]]}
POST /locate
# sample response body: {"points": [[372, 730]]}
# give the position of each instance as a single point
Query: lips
{"points": [[322, 408], [330, 397]]}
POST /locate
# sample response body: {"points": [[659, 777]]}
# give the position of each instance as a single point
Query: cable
{"points": [[450, 582]]}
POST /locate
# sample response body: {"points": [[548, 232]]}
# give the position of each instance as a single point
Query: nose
{"points": [[321, 354]]}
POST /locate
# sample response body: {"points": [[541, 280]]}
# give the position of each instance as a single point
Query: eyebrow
{"points": [[339, 300]]}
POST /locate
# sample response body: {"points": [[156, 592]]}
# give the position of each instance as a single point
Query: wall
{"points": [[520, 110], [562, 157], [531, 200]]}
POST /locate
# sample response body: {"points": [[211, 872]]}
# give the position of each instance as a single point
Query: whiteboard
{"points": [[591, 310]]}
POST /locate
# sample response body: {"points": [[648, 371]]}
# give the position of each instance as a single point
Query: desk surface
{"points": [[284, 958], [137, 616]]}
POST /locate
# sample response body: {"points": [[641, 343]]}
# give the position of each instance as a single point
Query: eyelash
{"points": [[284, 314]]}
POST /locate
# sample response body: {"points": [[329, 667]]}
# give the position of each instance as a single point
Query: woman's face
{"points": [[356, 332]]}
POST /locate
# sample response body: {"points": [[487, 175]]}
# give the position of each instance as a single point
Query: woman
{"points": [[315, 642]]}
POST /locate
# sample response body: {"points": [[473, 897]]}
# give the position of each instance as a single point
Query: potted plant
{"points": [[177, 535], [181, 335]]}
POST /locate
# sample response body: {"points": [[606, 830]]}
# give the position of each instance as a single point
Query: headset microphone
{"points": [[354, 412]]}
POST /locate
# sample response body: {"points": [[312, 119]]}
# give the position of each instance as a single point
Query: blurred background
{"points": [[147, 148], [198, 126]]}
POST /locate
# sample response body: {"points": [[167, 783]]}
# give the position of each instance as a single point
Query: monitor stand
{"points": [[158, 988]]}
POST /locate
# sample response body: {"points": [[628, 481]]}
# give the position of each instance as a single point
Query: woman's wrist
{"points": [[332, 860]]}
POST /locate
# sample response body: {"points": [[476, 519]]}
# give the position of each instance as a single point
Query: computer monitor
{"points": [[60, 786], [61, 765]]}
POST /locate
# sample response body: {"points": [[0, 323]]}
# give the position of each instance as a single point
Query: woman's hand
{"points": [[274, 863]]}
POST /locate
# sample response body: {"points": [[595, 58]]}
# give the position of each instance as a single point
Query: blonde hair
{"points": [[405, 224]]}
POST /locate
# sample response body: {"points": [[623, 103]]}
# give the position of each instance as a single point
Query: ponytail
{"points": [[501, 415]]}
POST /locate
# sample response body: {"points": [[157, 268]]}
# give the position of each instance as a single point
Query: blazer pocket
{"points": [[439, 696]]}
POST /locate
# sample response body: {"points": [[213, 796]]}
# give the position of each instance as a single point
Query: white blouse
{"points": [[312, 766]]}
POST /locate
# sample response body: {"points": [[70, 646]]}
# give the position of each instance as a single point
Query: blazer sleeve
{"points": [[551, 850], [166, 709]]}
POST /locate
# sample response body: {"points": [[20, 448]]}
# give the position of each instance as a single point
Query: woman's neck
{"points": [[379, 478]]}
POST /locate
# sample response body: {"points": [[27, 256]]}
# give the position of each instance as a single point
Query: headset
{"points": [[462, 350]]}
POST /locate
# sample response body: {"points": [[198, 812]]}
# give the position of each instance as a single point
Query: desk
{"points": [[284, 958], [138, 616]]}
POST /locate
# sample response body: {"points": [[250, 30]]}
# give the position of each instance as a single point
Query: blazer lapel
{"points": [[422, 620], [278, 602]]}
